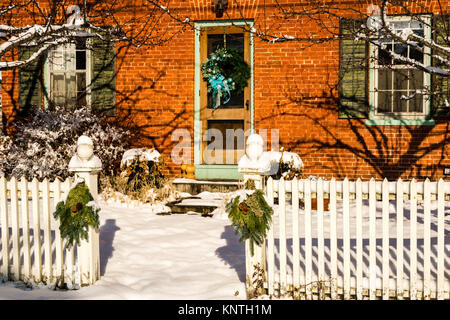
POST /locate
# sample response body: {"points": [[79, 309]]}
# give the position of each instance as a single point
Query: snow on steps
{"points": [[204, 203]]}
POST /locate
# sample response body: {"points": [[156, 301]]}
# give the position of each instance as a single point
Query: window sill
{"points": [[399, 122]]}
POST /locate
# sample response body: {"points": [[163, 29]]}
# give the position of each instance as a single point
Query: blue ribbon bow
{"points": [[219, 86]]}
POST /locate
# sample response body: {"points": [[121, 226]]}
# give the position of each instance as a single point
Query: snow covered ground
{"points": [[148, 256], [365, 244]]}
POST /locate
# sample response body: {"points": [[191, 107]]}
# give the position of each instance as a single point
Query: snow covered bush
{"points": [[285, 164], [288, 170], [43, 146], [5, 145], [140, 178], [142, 173]]}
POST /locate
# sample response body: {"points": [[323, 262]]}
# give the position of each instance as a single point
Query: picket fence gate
{"points": [[355, 271], [31, 245]]}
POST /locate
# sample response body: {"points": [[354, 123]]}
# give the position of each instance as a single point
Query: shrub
{"points": [[5, 146], [140, 173], [288, 166], [43, 146], [138, 180]]}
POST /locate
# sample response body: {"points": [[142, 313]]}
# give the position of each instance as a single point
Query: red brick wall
{"points": [[156, 92]]}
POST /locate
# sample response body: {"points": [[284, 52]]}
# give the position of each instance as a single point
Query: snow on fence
{"points": [[378, 239], [31, 245]]}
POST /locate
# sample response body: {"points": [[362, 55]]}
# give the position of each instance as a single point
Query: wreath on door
{"points": [[227, 73]]}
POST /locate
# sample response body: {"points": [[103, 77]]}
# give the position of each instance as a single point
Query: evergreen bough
{"points": [[250, 218], [76, 215], [229, 63]]}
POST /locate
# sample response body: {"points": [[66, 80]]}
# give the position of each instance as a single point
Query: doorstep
{"points": [[195, 187]]}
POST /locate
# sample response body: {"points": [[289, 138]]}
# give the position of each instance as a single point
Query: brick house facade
{"points": [[294, 88]]}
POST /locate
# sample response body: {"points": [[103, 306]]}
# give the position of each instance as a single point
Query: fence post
{"points": [[252, 168], [86, 166]]}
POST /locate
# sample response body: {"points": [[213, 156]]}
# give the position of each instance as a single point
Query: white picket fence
{"points": [[379, 239], [31, 245]]}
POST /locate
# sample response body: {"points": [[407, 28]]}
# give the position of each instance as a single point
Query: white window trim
{"points": [[373, 94], [47, 83]]}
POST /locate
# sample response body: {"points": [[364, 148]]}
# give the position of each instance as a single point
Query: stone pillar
{"points": [[252, 166], [86, 167]]}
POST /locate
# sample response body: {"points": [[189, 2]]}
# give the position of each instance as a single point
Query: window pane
{"points": [[384, 58], [81, 60], [81, 89], [56, 60], [81, 82], [420, 32], [235, 127], [416, 24], [384, 101], [401, 78], [58, 89], [384, 79], [69, 59], [416, 54], [215, 41], [416, 79], [400, 101], [71, 89], [236, 41], [402, 50], [80, 44], [400, 24], [416, 103]]}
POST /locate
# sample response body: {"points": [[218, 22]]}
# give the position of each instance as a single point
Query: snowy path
{"points": [[146, 256]]}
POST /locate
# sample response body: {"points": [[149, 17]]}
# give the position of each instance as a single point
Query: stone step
{"points": [[195, 187], [204, 206]]}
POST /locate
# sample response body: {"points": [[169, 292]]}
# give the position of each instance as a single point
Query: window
{"points": [[231, 40], [81, 73], [398, 88], [68, 75]]}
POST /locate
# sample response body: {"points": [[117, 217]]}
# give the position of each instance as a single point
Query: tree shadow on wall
{"points": [[167, 110], [151, 112], [390, 151], [150, 123]]}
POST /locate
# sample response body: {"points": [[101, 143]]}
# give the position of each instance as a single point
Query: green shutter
{"points": [[30, 80], [353, 72], [441, 30], [103, 90]]}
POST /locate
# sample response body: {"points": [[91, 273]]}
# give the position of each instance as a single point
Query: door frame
{"points": [[216, 171]]}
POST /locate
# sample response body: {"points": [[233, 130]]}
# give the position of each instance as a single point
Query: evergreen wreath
{"points": [[250, 218], [226, 69], [76, 214]]}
